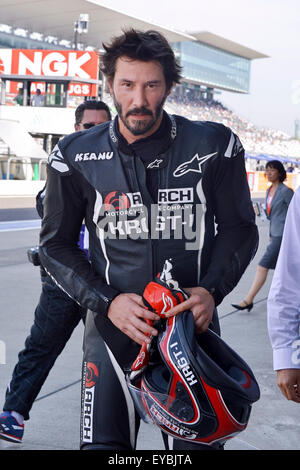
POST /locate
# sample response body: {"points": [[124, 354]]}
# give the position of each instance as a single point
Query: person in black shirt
{"points": [[55, 318]]}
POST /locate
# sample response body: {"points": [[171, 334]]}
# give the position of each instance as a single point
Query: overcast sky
{"points": [[268, 26]]}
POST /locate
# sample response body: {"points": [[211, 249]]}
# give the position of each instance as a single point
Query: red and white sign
{"points": [[79, 64]]}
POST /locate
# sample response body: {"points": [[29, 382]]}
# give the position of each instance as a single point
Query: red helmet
{"points": [[195, 387]]}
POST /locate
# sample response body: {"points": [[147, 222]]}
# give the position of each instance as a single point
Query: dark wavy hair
{"points": [[277, 165], [91, 104], [144, 46]]}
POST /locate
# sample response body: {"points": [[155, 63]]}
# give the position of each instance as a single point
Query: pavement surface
{"points": [[54, 421]]}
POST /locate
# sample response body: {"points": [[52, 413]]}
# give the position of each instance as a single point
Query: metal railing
{"points": [[35, 165]]}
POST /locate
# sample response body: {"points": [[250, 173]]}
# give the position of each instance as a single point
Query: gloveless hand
{"points": [[128, 313], [202, 305], [288, 380]]}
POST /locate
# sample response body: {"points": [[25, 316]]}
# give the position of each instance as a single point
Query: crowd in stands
{"points": [[255, 140]]}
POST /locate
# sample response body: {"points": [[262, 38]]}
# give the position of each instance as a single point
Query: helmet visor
{"points": [[160, 408]]}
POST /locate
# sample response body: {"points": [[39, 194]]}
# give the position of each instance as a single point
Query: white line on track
{"points": [[17, 225]]}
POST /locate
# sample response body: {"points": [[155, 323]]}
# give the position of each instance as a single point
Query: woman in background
{"points": [[278, 197]]}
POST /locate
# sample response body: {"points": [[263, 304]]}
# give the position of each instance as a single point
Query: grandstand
{"points": [[260, 144], [210, 64], [256, 141]]}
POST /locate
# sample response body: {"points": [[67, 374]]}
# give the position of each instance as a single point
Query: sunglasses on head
{"points": [[88, 125]]}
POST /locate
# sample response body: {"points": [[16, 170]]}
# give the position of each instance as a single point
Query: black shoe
{"points": [[248, 307]]}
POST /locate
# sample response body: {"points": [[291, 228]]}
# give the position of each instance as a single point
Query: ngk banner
{"points": [[79, 64]]}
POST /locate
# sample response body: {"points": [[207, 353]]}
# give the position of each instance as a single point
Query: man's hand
{"points": [[201, 303], [127, 312], [288, 380]]}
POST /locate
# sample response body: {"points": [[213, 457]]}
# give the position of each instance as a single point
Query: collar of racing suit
{"points": [[148, 147], [150, 150]]}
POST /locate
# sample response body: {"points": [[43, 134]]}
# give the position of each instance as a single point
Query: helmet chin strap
{"points": [[142, 359], [159, 296]]}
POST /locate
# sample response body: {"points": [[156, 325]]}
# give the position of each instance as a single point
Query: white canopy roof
{"points": [[19, 141], [57, 18]]}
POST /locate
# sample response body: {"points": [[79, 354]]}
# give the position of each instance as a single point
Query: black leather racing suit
{"points": [[180, 194]]}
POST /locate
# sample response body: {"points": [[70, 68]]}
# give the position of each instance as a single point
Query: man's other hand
{"points": [[202, 305], [128, 313]]}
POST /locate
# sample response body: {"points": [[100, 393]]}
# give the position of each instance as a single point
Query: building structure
{"points": [[210, 63]]}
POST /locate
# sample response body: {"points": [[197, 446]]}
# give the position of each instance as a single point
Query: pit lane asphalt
{"points": [[55, 417]]}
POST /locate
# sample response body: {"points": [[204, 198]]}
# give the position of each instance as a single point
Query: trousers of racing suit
{"points": [[109, 420]]}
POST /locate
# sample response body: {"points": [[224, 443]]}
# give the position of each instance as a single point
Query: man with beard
{"points": [[150, 187]]}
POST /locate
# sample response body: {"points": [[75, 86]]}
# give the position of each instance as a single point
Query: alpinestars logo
{"points": [[155, 164], [168, 303], [140, 359], [56, 160], [193, 165]]}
